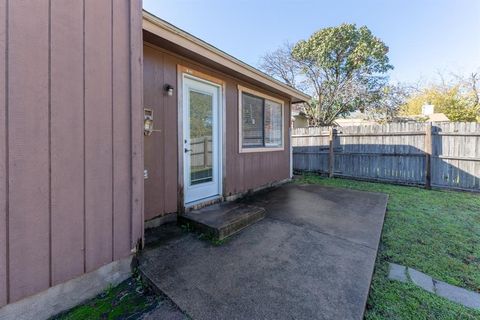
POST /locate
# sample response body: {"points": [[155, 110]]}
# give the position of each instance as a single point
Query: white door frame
{"points": [[196, 194]]}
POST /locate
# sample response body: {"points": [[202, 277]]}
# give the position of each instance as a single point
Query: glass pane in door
{"points": [[201, 136]]}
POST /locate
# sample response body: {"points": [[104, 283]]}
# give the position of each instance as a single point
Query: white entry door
{"points": [[201, 140]]}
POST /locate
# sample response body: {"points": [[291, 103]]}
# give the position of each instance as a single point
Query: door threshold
{"points": [[197, 204]]}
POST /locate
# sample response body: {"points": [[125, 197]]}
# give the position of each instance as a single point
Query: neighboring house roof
{"points": [[296, 113], [434, 117], [169, 32], [437, 117], [353, 122]]}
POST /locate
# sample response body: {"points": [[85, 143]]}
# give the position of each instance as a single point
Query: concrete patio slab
{"points": [[353, 215], [287, 266], [164, 311]]}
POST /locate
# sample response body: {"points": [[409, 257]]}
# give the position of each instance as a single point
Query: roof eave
{"points": [[167, 31]]}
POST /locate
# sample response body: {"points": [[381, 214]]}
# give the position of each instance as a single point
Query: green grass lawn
{"points": [[436, 232]]}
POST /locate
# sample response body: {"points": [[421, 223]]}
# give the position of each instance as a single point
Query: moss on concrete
{"points": [[130, 299]]}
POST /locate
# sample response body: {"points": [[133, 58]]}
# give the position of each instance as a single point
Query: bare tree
{"points": [[389, 102], [475, 87], [281, 65], [470, 86]]}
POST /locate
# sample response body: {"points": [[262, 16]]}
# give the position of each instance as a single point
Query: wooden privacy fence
{"points": [[445, 154], [201, 154]]}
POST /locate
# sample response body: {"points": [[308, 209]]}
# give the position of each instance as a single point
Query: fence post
{"points": [[331, 155], [205, 152], [428, 155]]}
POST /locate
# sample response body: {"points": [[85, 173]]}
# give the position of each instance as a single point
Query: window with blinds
{"points": [[252, 117], [261, 122]]}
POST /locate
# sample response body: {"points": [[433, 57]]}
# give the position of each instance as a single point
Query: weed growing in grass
{"points": [[187, 227], [212, 238]]}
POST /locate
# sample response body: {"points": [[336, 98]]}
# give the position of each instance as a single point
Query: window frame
{"points": [[242, 149]]}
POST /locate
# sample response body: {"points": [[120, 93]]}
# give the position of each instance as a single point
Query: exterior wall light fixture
{"points": [[169, 89]]}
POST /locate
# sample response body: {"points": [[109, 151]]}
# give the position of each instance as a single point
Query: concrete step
{"points": [[223, 219]]}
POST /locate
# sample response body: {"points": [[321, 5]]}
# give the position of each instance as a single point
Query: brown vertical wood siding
{"points": [[28, 141], [136, 121], [98, 133], [161, 163], [71, 178], [3, 155], [244, 171], [121, 182], [67, 139]]}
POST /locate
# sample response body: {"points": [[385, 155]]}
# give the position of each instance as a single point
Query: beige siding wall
{"points": [[70, 139]]}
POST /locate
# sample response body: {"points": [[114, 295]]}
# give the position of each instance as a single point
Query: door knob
{"points": [[187, 150]]}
